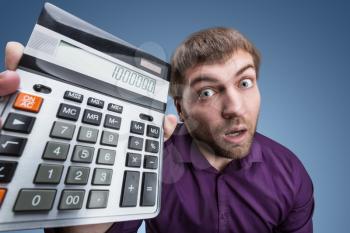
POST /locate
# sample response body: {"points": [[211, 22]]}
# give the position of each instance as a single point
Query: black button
{"points": [[92, 117], [135, 143], [11, 145], [68, 112], [137, 127], [133, 160], [146, 117], [115, 108], [95, 102], [149, 186], [152, 146], [70, 95], [112, 122], [130, 189], [153, 131], [19, 123], [42, 88], [150, 162], [7, 169]]}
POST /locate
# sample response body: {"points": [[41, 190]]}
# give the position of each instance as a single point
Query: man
{"points": [[220, 175]]}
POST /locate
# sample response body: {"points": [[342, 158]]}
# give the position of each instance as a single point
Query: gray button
{"points": [[68, 112], [102, 176], [71, 199], [106, 156], [77, 175], [133, 160], [109, 138], [152, 146], [35, 200], [135, 143], [98, 199], [56, 151], [130, 189], [48, 174], [87, 134], [137, 127], [92, 117], [150, 162], [149, 185], [62, 130], [83, 154], [112, 122]]}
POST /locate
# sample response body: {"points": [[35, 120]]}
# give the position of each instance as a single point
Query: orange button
{"points": [[2, 195], [28, 102]]}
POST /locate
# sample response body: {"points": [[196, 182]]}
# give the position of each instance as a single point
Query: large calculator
{"points": [[81, 139]]}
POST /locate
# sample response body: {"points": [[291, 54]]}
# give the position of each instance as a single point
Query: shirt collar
{"points": [[189, 152]]}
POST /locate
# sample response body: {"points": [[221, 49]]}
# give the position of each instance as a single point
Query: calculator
{"points": [[81, 140]]}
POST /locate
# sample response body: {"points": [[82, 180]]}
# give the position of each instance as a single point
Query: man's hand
{"points": [[9, 80]]}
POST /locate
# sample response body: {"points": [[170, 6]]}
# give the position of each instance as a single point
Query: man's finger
{"points": [[13, 53], [9, 82], [170, 122]]}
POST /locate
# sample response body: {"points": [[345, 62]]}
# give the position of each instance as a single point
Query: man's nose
{"points": [[232, 104]]}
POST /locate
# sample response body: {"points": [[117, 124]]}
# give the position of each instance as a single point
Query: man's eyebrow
{"points": [[207, 78]]}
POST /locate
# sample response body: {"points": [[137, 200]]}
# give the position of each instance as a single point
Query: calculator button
{"points": [[133, 160], [97, 199], [68, 112], [62, 130], [152, 146], [102, 176], [48, 174], [77, 175], [106, 157], [115, 108], [148, 192], [19, 123], [146, 117], [92, 117], [95, 102], [153, 131], [56, 151], [2, 195], [27, 102], [135, 143], [83, 154], [87, 134], [130, 189], [7, 169], [137, 127], [71, 199], [150, 162], [11, 145], [42, 88], [109, 138], [112, 122], [73, 96], [35, 200]]}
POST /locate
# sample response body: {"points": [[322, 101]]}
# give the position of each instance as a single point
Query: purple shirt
{"points": [[267, 191]]}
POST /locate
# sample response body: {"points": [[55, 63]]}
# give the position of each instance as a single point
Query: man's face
{"points": [[220, 105]]}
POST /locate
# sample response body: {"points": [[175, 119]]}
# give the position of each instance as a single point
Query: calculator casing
{"points": [[38, 66]]}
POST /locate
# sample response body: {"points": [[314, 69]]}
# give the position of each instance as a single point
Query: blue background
{"points": [[304, 77]]}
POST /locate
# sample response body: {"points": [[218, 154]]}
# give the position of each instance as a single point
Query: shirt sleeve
{"points": [[299, 219]]}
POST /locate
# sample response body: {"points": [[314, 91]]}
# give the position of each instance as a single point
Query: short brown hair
{"points": [[209, 46]]}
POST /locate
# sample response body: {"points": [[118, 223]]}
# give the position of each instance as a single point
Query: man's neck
{"points": [[219, 163]]}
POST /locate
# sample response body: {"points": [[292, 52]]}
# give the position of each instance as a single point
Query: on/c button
{"points": [[2, 195], [27, 102]]}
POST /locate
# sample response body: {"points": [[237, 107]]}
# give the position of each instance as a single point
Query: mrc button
{"points": [[70, 95]]}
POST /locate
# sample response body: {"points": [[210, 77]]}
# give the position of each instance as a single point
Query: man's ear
{"points": [[178, 105]]}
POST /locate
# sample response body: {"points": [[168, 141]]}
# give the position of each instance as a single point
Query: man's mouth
{"points": [[234, 133]]}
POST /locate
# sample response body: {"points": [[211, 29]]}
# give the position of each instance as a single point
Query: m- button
{"points": [[27, 102]]}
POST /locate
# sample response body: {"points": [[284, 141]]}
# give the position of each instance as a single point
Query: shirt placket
{"points": [[223, 210]]}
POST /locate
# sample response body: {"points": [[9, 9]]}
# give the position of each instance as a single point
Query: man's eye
{"points": [[206, 93], [246, 83]]}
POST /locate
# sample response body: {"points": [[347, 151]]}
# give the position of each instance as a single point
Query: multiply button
{"points": [[95, 102], [135, 143], [27, 102], [152, 131], [133, 160], [130, 189], [19, 123], [11, 145], [92, 117], [68, 112], [137, 127], [7, 169]]}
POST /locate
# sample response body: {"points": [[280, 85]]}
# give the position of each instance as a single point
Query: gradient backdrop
{"points": [[304, 77]]}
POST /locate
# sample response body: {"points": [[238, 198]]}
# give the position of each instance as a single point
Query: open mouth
{"points": [[235, 133]]}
